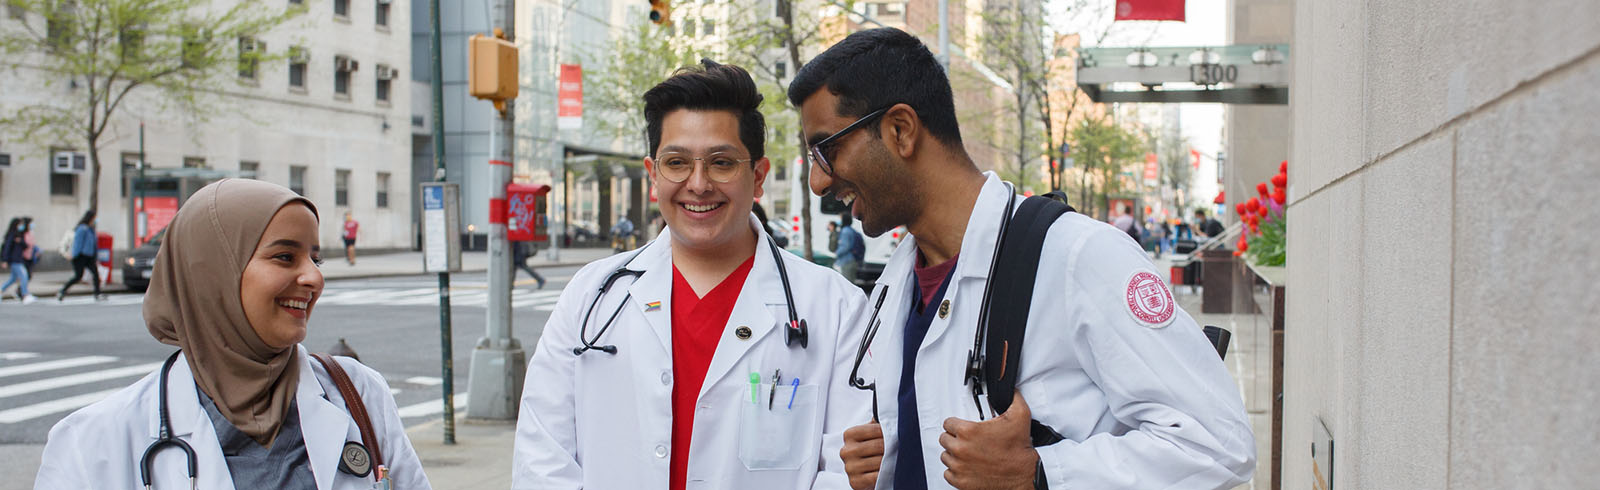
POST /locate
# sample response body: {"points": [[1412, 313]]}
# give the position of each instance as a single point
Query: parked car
{"points": [[140, 263]]}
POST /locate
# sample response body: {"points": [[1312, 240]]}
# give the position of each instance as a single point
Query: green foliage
{"points": [[1105, 150], [1268, 247], [624, 70]]}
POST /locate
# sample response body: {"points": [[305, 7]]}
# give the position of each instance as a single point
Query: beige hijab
{"points": [[193, 303]]}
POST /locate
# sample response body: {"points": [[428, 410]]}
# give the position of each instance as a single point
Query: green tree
{"points": [[1104, 151], [108, 50], [626, 68]]}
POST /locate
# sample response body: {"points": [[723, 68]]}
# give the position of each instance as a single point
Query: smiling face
{"points": [[282, 281], [875, 184], [705, 214]]}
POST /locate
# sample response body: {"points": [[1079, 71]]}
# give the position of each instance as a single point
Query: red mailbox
{"points": [[526, 206], [102, 255]]}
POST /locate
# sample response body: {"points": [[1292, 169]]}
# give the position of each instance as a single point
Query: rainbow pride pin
{"points": [[652, 306]]}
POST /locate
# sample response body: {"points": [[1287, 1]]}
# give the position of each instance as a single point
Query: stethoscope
{"points": [[975, 357], [796, 331], [165, 438]]}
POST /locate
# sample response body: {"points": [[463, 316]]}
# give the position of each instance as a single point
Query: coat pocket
{"points": [[775, 434]]}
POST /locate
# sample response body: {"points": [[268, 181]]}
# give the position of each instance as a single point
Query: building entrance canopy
{"points": [[1238, 74]]}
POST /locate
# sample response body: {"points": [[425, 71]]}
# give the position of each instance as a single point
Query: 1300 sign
{"points": [[1213, 74]]}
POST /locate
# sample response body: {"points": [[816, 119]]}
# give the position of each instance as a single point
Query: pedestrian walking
{"points": [[83, 256], [520, 253], [241, 404], [707, 357], [1128, 392], [15, 253], [847, 256], [350, 229], [833, 236], [622, 234], [1207, 227]]}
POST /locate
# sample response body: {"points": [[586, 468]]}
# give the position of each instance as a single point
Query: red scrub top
{"points": [[697, 325]]}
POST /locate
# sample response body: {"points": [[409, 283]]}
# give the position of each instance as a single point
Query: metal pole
{"points": [[498, 361], [944, 34], [446, 357]]}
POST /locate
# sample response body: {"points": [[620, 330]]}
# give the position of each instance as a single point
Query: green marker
{"points": [[755, 388]]}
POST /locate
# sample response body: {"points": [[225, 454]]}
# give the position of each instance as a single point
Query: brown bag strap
{"points": [[353, 403]]}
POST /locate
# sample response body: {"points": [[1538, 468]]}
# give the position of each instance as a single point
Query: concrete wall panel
{"points": [[1402, 441], [1524, 388], [1329, 78]]}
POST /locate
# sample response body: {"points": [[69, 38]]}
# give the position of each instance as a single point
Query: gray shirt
{"points": [[285, 465]]}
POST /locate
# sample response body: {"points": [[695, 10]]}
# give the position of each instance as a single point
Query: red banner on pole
{"points": [[1195, 155], [1152, 170], [1150, 10], [569, 98]]}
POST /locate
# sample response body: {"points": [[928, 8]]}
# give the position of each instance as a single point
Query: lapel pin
{"points": [[743, 332], [944, 309]]}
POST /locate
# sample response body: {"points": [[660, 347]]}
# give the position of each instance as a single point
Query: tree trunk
{"points": [[94, 176]]}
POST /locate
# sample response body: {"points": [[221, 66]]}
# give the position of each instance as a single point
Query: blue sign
{"points": [[433, 197]]}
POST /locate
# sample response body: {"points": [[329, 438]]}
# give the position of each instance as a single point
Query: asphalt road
{"points": [[56, 357]]}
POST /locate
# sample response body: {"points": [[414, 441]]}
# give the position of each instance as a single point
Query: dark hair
{"points": [[11, 230], [877, 68], [88, 217], [1200, 212], [711, 86], [844, 220]]}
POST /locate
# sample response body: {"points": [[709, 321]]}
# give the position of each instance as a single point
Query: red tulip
{"points": [[1244, 246], [1240, 208], [1252, 205], [1237, 253], [1281, 180], [1278, 196], [1261, 188], [1263, 211], [1283, 168]]}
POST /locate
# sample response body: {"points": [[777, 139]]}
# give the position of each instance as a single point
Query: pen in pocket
{"points": [[794, 387], [777, 377], [755, 388]]}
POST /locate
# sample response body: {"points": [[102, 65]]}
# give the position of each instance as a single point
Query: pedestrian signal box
{"points": [[492, 68], [526, 206], [661, 12]]}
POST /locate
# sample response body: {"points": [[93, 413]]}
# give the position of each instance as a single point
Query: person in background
{"points": [[1209, 228], [847, 256], [15, 253], [833, 236], [520, 253], [622, 234], [761, 214], [1127, 224], [83, 250], [350, 228]]}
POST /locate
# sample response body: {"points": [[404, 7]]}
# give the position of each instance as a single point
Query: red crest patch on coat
{"points": [[1149, 300]]}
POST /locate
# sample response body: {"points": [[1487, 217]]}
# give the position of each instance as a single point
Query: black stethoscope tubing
{"points": [[975, 357], [165, 438], [795, 331]]}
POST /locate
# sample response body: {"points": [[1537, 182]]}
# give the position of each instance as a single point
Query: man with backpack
{"points": [[1115, 386]]}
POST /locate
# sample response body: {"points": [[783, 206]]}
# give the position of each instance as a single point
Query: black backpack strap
{"points": [[1012, 281]]}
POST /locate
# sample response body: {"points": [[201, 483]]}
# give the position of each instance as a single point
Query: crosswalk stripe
{"points": [[13, 356], [424, 380], [432, 407], [76, 379], [37, 410], [56, 364]]}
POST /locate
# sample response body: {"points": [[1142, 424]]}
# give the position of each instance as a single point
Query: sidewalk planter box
{"points": [[1217, 276], [1267, 288]]}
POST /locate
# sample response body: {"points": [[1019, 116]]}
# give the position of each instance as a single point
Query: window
{"points": [[297, 2], [780, 8], [194, 47], [381, 18], [383, 189], [297, 179], [385, 76], [63, 184], [781, 69], [688, 27], [249, 170], [130, 41], [298, 58], [707, 27], [250, 51], [58, 25], [342, 67], [341, 188], [341, 8], [194, 162], [383, 90], [15, 11]]}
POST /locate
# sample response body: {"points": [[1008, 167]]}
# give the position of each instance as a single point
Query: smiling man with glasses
{"points": [[1125, 381], [718, 369]]}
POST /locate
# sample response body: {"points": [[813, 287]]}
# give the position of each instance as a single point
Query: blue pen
{"points": [[795, 388]]}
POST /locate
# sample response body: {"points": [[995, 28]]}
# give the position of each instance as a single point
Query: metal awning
{"points": [[1238, 74]]}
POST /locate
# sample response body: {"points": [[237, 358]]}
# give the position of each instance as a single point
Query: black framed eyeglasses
{"points": [[820, 149]]}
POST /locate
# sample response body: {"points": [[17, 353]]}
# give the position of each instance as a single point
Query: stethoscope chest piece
{"points": [[355, 459]]}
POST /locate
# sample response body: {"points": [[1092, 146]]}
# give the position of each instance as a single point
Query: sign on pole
{"points": [[441, 238], [569, 98]]}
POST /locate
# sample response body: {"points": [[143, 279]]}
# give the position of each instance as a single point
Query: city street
{"points": [[59, 357]]}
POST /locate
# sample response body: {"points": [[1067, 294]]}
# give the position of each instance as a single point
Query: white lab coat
{"points": [[1141, 406], [99, 446], [604, 421]]}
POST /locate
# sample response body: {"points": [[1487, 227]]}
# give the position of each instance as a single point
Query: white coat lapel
{"points": [[759, 297], [191, 424], [325, 426], [977, 251], [651, 294]]}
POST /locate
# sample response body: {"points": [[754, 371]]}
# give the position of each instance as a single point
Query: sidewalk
{"points": [[480, 458], [45, 284]]}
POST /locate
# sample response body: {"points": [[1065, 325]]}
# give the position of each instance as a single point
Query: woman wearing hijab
{"points": [[235, 282]]}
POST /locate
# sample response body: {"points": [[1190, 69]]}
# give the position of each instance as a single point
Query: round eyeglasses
{"points": [[719, 167]]}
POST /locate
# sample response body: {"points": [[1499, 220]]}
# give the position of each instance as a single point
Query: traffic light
{"points": [[492, 68], [661, 12]]}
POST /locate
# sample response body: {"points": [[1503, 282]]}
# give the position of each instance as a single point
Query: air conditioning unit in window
{"points": [[248, 45], [69, 162], [387, 73], [385, 2], [345, 63], [299, 55]]}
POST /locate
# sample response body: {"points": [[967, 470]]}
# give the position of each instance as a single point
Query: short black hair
{"points": [[878, 68], [711, 86], [1200, 212], [844, 220]]}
